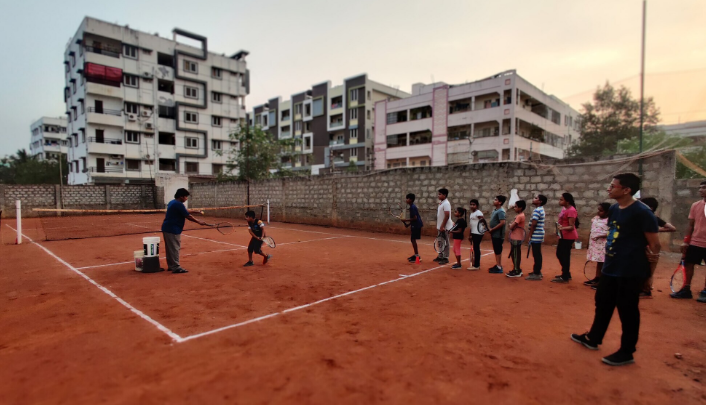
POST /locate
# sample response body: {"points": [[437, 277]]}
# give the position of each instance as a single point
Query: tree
{"points": [[259, 154], [653, 140], [22, 168], [612, 117]]}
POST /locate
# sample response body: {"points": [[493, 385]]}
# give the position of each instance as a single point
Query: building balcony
{"points": [[107, 146], [285, 135], [336, 124], [103, 50], [104, 89], [105, 117], [104, 170], [337, 142]]}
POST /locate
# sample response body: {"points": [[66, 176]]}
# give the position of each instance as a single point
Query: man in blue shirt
{"points": [[172, 227], [632, 245]]}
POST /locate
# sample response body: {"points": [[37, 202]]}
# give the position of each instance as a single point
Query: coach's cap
{"points": [[182, 192]]}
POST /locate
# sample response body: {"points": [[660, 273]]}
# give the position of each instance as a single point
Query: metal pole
{"points": [[61, 179], [642, 79], [268, 211], [18, 213]]}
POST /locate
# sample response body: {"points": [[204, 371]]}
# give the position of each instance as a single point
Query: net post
{"points": [[268, 211], [18, 212]]}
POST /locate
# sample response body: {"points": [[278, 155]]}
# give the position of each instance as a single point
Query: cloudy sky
{"points": [[566, 47]]}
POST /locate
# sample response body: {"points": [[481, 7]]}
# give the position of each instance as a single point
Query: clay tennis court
{"points": [[338, 316]]}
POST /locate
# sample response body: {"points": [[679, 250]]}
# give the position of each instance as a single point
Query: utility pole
{"points": [[61, 177], [642, 80]]}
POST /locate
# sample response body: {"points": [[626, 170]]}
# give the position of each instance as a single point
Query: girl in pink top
{"points": [[568, 222]]}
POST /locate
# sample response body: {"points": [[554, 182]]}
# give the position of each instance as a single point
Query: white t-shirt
{"points": [[444, 206], [473, 221]]}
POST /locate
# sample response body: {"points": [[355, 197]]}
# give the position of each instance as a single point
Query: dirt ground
{"points": [[79, 326]]}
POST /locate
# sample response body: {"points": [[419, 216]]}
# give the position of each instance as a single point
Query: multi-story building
{"points": [[329, 124], [139, 104], [48, 139], [500, 118]]}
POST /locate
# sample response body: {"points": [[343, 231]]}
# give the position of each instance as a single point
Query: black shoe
{"points": [[180, 271], [496, 270], [248, 264], [591, 282], [561, 280], [436, 259], [412, 258], [583, 339], [443, 261], [456, 266], [646, 294], [594, 287], [514, 274], [619, 358], [560, 276], [683, 293]]}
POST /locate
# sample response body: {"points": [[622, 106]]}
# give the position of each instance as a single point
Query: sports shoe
{"points": [[619, 358], [702, 296], [561, 280], [645, 294], [684, 293], [472, 268], [180, 271], [266, 259], [591, 282], [514, 274], [456, 266], [560, 276], [583, 339], [248, 264], [594, 287], [412, 258], [436, 259], [443, 261], [534, 277], [496, 270]]}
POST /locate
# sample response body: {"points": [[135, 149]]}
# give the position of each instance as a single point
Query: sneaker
{"points": [[248, 264], [456, 266], [594, 287], [619, 359], [472, 268], [684, 293], [560, 276], [514, 274], [436, 259], [180, 271], [443, 261], [583, 339], [496, 270], [702, 296], [646, 294], [266, 259], [591, 282], [561, 280], [412, 258], [535, 277]]}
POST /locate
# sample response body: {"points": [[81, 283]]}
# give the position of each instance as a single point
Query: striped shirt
{"points": [[538, 235]]}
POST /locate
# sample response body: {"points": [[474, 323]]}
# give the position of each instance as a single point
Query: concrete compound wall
{"points": [[76, 197], [361, 201]]}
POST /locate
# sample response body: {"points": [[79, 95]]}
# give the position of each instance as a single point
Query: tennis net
{"points": [[63, 224]]}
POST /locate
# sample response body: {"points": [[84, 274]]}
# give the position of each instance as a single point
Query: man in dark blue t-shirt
{"points": [[415, 222], [172, 227], [632, 244]]}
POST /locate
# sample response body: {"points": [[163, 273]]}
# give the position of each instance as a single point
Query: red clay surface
{"points": [[443, 336]]}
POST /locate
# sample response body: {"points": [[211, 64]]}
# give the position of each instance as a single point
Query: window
{"points": [[216, 145], [354, 113], [307, 143], [216, 121], [191, 142], [368, 95], [217, 73], [132, 108], [83, 110], [73, 60], [307, 126], [165, 86], [353, 133], [307, 110], [216, 168], [396, 140], [166, 138], [367, 133], [192, 167], [132, 165], [191, 117], [354, 95], [354, 152], [191, 92], [285, 115], [75, 113], [298, 109], [131, 81], [73, 86], [297, 126], [272, 117], [216, 97], [190, 67], [165, 59], [83, 136], [367, 114], [129, 51], [318, 107], [132, 137], [167, 165], [264, 120]]}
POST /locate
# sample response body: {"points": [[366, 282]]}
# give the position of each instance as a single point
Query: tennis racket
{"points": [[482, 226], [590, 269], [439, 243], [678, 278], [558, 231], [225, 228], [516, 242], [396, 210], [267, 240]]}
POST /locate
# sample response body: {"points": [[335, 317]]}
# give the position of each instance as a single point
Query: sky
{"points": [[567, 48]]}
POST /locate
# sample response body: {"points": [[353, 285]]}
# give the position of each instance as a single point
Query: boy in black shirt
{"points": [[257, 232], [457, 232], [632, 245], [414, 221]]}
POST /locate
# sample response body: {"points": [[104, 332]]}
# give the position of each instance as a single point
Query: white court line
{"points": [[272, 315], [161, 258], [136, 311]]}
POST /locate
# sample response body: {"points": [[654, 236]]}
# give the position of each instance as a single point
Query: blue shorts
{"points": [[416, 233]]}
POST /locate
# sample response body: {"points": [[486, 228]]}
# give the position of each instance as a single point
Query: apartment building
{"points": [[332, 125], [496, 119], [139, 104], [48, 140]]}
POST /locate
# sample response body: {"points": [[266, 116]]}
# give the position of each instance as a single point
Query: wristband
{"points": [[687, 239]]}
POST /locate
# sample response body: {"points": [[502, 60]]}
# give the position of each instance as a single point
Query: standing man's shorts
{"points": [[416, 233]]}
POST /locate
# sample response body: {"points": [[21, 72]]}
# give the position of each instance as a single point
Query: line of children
{"points": [[474, 236], [597, 241], [537, 236], [517, 236], [457, 232]]}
